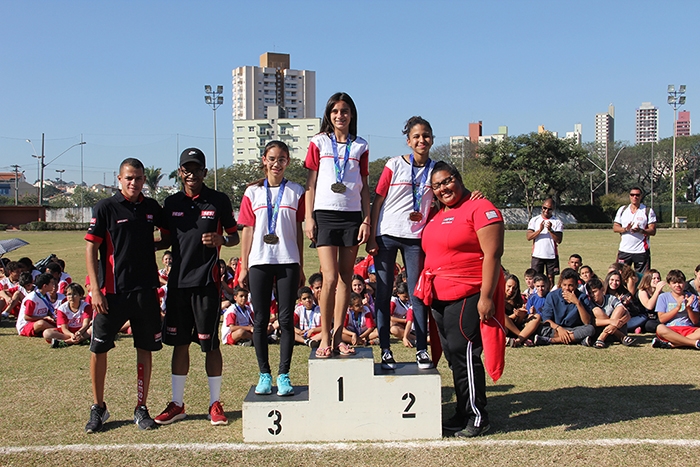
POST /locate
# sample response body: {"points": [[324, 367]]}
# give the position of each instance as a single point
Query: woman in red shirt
{"points": [[463, 281]]}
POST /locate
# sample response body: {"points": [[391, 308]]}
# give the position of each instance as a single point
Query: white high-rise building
{"points": [[266, 101], [251, 136], [605, 128], [647, 124], [255, 88], [575, 135]]}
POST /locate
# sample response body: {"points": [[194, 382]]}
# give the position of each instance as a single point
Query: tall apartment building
{"points": [[475, 132], [683, 123], [605, 128], [575, 135], [251, 136], [257, 90], [647, 124]]}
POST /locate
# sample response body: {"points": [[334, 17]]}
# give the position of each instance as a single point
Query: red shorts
{"points": [[28, 330], [229, 340], [683, 330]]}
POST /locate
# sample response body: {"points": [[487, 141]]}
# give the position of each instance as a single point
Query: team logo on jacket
{"points": [[121, 221], [158, 337], [93, 221], [171, 330], [208, 214], [204, 337], [448, 220], [178, 214]]}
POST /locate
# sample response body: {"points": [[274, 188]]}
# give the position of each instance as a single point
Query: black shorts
{"points": [[641, 262], [337, 228], [141, 308], [193, 315], [552, 265]]}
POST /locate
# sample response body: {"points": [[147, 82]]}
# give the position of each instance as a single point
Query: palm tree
{"points": [[153, 177]]}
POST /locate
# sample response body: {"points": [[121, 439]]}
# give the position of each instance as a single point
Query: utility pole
{"points": [[16, 167]]}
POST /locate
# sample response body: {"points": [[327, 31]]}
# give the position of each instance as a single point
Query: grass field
{"points": [[553, 406]]}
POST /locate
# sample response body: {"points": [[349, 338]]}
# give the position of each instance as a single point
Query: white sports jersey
{"points": [[634, 242], [396, 185], [254, 213], [320, 159], [544, 246]]}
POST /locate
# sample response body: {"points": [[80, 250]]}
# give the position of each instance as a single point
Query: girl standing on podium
{"points": [[337, 213], [272, 210]]}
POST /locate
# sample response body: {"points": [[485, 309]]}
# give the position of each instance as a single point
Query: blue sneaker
{"points": [[284, 386], [264, 386]]}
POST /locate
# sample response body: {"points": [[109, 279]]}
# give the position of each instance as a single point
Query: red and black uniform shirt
{"points": [[194, 264], [124, 232]]}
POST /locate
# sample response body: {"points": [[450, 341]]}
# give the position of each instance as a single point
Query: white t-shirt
{"points": [[320, 159], [634, 242], [254, 213], [32, 305], [307, 319], [396, 186], [544, 246]]}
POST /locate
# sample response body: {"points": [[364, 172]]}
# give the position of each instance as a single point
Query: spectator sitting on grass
{"points": [[529, 282], [521, 323], [585, 273], [693, 285], [73, 318], [679, 315], [610, 315], [237, 326], [307, 319], [359, 327], [566, 315], [36, 313], [649, 290]]}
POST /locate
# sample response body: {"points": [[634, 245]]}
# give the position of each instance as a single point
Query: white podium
{"points": [[349, 398]]}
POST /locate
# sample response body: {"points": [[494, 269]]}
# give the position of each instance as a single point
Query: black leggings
{"points": [[460, 333], [261, 278]]}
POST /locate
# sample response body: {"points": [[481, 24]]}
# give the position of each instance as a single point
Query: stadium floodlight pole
{"points": [[676, 99], [214, 99]]}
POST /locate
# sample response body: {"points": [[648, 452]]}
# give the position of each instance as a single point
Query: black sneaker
{"points": [[587, 341], [456, 422], [98, 416], [142, 419], [388, 362], [423, 360], [472, 431], [541, 340], [659, 344]]}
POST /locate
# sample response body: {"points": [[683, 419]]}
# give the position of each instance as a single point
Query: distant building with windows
{"points": [[647, 124], [605, 128], [683, 123], [251, 136], [265, 99], [575, 135]]}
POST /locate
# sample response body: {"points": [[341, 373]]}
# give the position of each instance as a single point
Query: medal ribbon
{"points": [[273, 210], [418, 188], [340, 173]]}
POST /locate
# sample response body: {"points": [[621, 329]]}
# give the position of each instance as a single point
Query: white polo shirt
{"points": [[544, 246], [634, 242]]}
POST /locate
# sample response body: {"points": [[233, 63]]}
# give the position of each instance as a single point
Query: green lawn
{"points": [[572, 397]]}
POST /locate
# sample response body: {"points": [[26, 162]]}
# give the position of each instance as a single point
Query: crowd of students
{"points": [[596, 311]]}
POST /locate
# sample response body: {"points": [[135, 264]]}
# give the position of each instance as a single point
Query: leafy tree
{"points": [[533, 166]]}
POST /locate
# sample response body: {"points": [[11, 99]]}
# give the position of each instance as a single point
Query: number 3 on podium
{"points": [[277, 422]]}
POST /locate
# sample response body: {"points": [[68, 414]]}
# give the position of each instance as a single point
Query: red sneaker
{"points": [[172, 413], [217, 415]]}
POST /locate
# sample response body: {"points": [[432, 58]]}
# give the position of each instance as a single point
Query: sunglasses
{"points": [[636, 195]]}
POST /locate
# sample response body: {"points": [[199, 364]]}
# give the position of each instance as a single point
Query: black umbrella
{"points": [[11, 244]]}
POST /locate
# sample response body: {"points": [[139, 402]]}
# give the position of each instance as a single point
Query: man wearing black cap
{"points": [[195, 219]]}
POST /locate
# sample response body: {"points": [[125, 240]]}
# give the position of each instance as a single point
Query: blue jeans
{"points": [[384, 261]]}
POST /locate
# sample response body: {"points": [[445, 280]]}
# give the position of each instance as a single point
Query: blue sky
{"points": [[129, 75]]}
